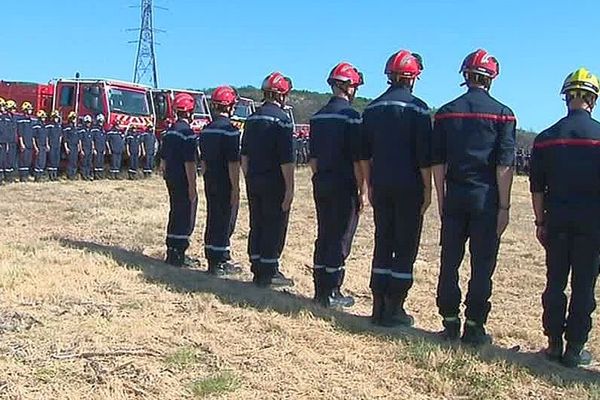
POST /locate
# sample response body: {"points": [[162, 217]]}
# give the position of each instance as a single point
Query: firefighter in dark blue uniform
{"points": [[40, 144], [148, 149], [220, 149], [86, 138], [115, 145], [25, 123], [3, 140], [473, 155], [72, 145], [268, 165], [397, 133], [178, 165], [565, 186], [10, 128], [55, 136], [338, 184], [132, 143], [99, 136]]}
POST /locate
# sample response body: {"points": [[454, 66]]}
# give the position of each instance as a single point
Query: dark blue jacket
{"points": [[335, 142], [40, 135], [116, 141], [565, 166], [219, 145], [86, 136], [178, 147], [268, 142], [397, 133], [473, 135], [71, 136], [55, 134], [99, 136], [25, 129]]}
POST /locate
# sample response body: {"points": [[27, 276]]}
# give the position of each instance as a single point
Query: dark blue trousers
{"points": [[570, 249], [480, 229], [99, 162], [40, 162], [221, 218], [72, 159], [54, 159], [398, 224], [25, 162], [337, 219], [86, 163], [268, 227], [11, 159], [149, 162], [182, 216], [3, 155], [115, 162]]}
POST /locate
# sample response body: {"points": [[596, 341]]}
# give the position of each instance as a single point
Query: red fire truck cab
{"points": [[128, 105], [165, 112], [39, 95]]}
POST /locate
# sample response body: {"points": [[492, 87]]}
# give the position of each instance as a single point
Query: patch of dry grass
{"points": [[89, 311]]}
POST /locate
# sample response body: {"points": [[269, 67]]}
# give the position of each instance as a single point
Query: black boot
{"points": [[474, 334], [393, 312], [279, 279], [576, 356], [451, 330], [554, 351], [377, 313], [175, 257]]}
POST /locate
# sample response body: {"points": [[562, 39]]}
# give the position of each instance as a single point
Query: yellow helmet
{"points": [[72, 116], [2, 102], [55, 114], [26, 106], [581, 80], [41, 114], [11, 105]]}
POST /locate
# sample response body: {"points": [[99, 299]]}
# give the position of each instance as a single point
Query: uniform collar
{"points": [[478, 90], [579, 112], [338, 100], [221, 118], [399, 88]]}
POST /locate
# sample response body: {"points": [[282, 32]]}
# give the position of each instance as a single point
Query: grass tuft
{"points": [[221, 383]]}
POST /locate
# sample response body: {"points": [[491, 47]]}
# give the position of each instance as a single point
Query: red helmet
{"points": [[481, 62], [404, 63], [184, 102], [224, 95], [346, 72], [277, 83]]}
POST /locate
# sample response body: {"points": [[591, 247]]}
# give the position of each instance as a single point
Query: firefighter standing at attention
{"points": [[473, 154], [25, 123], [338, 184], [115, 145], [178, 164], [41, 145], [55, 136], [268, 165], [10, 130], [71, 145], [397, 132], [220, 159], [565, 186], [86, 138], [99, 135]]}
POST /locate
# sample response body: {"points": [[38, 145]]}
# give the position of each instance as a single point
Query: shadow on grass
{"points": [[245, 294]]}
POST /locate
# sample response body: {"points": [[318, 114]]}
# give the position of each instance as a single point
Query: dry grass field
{"points": [[88, 311]]}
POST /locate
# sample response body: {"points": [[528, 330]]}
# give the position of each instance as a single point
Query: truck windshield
{"points": [[201, 105], [242, 109], [128, 102]]}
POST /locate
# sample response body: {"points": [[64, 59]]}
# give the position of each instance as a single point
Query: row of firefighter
{"points": [[42, 145]]}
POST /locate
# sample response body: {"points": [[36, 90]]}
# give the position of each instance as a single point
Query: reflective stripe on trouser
{"points": [[40, 162], [149, 163], [398, 221], [337, 219], [86, 164], [115, 162], [577, 251], [99, 162], [220, 222], [10, 163], [182, 216], [53, 159], [268, 227], [72, 159], [480, 229], [25, 162]]}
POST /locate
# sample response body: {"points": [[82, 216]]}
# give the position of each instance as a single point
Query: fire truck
{"points": [[244, 108], [126, 104], [165, 113], [38, 94]]}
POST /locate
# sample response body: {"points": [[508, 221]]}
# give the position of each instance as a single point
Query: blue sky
{"points": [[211, 42]]}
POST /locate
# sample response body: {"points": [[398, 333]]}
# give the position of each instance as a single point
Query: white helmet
{"points": [[100, 118], [87, 119]]}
